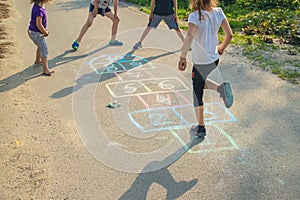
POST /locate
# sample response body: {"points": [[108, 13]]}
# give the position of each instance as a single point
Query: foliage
{"points": [[227, 2], [267, 17]]}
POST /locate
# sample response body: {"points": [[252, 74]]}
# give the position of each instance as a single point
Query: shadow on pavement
{"points": [[79, 4], [127, 62], [72, 5], [35, 71], [143, 182]]}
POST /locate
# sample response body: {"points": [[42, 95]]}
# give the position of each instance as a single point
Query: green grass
{"points": [[257, 53], [145, 9], [183, 27], [254, 48]]}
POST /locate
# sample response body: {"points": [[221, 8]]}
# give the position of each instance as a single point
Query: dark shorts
{"points": [[100, 10], [169, 19]]}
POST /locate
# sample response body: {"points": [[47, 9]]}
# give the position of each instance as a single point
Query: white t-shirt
{"points": [[206, 38], [102, 3]]}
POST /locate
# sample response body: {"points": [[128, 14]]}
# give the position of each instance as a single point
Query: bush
{"points": [[227, 2], [270, 4]]}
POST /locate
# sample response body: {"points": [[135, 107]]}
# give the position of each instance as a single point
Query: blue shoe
{"points": [[115, 43], [226, 94], [75, 45]]}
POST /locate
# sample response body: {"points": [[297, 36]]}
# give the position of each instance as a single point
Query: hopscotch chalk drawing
{"points": [[130, 88], [165, 91], [118, 63]]}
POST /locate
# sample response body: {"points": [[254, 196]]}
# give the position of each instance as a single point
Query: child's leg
{"points": [[224, 89], [38, 56], [200, 115], [178, 31], [139, 43], [114, 28], [145, 33], [172, 24], [45, 66], [198, 87], [85, 27], [151, 25], [210, 84]]}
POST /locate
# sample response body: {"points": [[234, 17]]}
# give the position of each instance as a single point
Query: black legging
{"points": [[199, 75]]}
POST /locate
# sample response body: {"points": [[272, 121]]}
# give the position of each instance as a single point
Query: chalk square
{"points": [[156, 119], [165, 84], [126, 88], [214, 113]]}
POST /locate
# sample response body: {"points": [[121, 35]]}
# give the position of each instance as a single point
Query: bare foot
{"points": [[37, 62], [48, 73]]}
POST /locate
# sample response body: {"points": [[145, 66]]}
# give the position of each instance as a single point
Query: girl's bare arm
{"points": [[40, 26]]}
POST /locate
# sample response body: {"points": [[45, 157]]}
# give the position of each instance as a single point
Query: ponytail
{"points": [[201, 4], [199, 10]]}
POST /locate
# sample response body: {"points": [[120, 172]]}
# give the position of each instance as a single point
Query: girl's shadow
{"points": [[34, 71], [143, 182], [127, 61]]}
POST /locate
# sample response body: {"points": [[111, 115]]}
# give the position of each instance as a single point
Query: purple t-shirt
{"points": [[37, 11]]}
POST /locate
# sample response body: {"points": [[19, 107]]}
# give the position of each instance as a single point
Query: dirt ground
{"points": [[4, 14]]}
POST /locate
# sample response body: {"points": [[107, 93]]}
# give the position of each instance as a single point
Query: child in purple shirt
{"points": [[37, 31]]}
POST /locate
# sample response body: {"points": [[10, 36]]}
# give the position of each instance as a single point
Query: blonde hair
{"points": [[201, 5]]}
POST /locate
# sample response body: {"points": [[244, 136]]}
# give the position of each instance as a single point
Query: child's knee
{"points": [[116, 21]]}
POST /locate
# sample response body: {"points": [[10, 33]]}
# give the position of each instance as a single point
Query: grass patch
{"points": [[258, 54], [145, 9], [183, 27]]}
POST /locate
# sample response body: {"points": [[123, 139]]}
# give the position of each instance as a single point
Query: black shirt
{"points": [[164, 7]]}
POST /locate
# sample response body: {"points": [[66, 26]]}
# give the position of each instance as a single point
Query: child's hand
{"points": [[175, 18], [182, 64], [46, 34], [95, 12], [220, 50], [151, 17]]}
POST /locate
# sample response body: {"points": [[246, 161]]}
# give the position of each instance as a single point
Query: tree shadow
{"points": [[127, 62], [143, 182], [34, 71], [79, 4], [72, 5]]}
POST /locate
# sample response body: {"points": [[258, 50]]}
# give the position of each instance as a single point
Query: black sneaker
{"points": [[226, 94], [199, 131], [138, 45]]}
